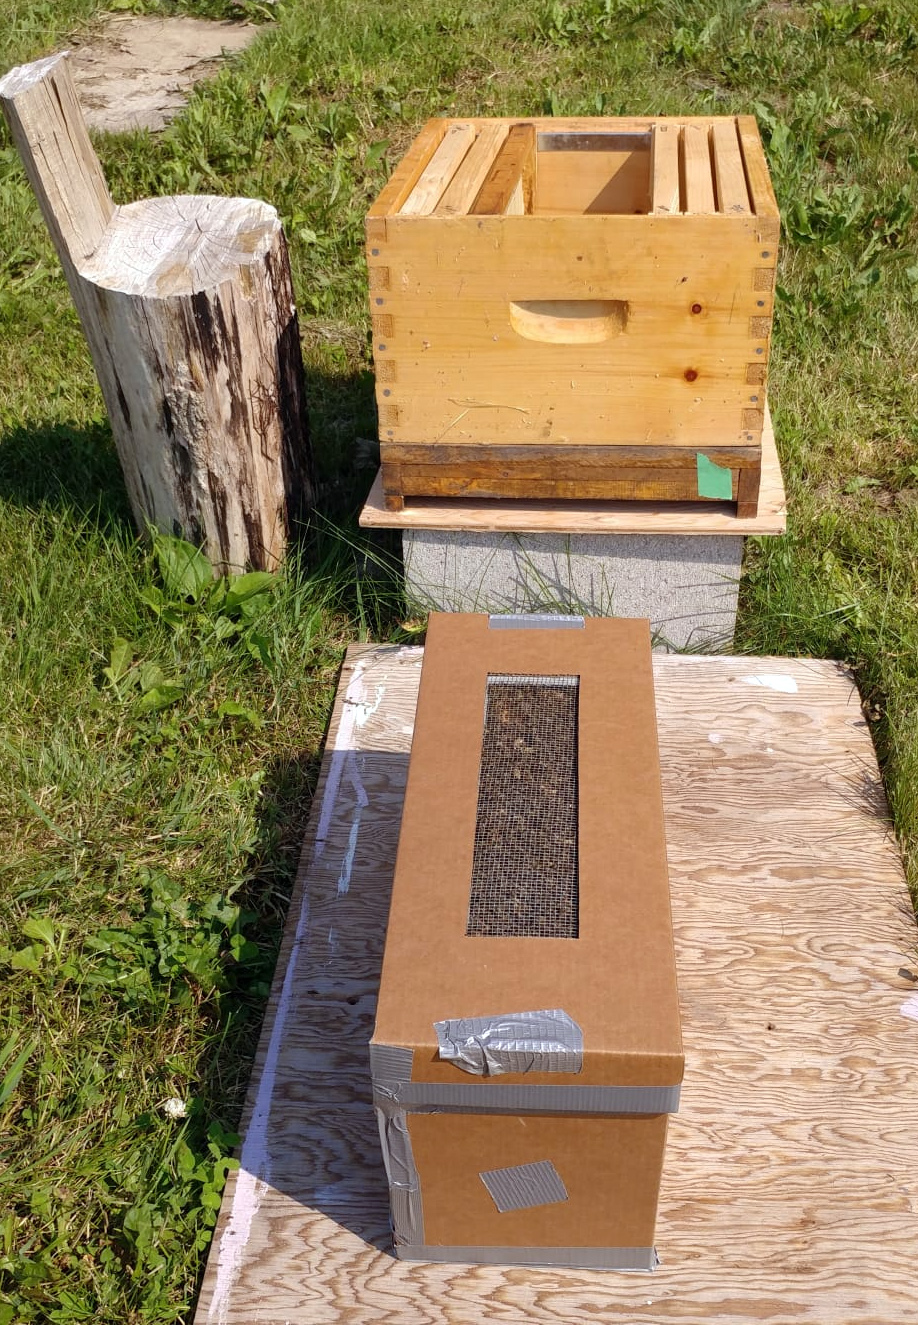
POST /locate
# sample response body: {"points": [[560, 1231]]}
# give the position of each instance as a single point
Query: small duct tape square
{"points": [[524, 1186]]}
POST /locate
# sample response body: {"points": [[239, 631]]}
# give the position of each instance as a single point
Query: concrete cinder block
{"points": [[686, 585]]}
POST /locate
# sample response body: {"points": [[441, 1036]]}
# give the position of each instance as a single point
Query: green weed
{"points": [[152, 801]]}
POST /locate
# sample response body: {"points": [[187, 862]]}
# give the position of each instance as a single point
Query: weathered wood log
{"points": [[187, 305]]}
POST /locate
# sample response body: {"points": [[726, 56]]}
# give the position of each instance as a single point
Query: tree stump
{"points": [[187, 305]]}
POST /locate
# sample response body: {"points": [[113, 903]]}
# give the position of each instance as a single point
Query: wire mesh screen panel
{"points": [[524, 869]]}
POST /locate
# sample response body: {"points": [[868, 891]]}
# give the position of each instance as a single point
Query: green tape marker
{"points": [[713, 480]]}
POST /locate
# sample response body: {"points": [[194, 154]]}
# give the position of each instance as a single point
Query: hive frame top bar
{"points": [[696, 165]]}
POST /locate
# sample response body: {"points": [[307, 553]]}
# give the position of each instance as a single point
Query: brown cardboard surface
{"points": [[617, 979], [610, 1168]]}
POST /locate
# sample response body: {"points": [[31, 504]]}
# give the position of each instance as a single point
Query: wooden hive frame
{"points": [[503, 367]]}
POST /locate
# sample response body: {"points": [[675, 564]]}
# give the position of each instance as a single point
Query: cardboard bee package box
{"points": [[527, 1049]]}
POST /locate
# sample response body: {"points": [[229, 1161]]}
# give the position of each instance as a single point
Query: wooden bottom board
{"points": [[521, 515], [790, 1190]]}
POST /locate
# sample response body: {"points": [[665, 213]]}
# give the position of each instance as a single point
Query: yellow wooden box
{"points": [[573, 308]]}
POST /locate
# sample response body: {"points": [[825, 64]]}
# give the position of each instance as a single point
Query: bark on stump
{"points": [[187, 305]]}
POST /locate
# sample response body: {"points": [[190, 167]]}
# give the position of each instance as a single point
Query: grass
{"points": [[160, 741]]}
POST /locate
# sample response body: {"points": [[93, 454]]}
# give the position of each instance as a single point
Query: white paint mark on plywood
{"points": [[354, 713], [773, 681], [362, 711], [362, 801], [254, 1176]]}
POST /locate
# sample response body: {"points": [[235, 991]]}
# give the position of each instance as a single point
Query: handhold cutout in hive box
{"points": [[587, 1085], [569, 321]]}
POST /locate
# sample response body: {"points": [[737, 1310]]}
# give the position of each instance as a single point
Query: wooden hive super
{"points": [[574, 308], [527, 1048]]}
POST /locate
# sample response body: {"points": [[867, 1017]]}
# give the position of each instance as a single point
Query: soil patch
{"points": [[136, 73]]}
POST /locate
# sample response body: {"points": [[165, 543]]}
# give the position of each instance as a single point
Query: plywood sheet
{"points": [[790, 1191], [516, 515]]}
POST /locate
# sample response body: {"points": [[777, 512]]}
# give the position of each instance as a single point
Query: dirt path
{"points": [[137, 72]]}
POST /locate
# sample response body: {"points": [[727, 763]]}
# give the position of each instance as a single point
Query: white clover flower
{"points": [[175, 1108]]}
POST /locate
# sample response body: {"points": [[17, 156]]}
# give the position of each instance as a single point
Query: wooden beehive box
{"points": [[574, 308]]}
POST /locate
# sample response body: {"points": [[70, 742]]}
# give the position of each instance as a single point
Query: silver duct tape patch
{"points": [[516, 1097], [404, 1182], [546, 1041], [524, 1186], [534, 621], [407, 1217], [575, 1258], [390, 1062]]}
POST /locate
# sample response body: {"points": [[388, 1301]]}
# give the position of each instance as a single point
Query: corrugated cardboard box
{"points": [[527, 1048]]}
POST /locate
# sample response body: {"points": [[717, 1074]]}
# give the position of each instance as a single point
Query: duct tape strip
{"points": [[574, 1258], [546, 1041], [390, 1062], [524, 1185], [404, 1183], [516, 1097], [534, 621]]}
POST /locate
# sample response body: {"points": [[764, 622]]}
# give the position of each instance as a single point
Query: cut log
{"points": [[187, 305], [188, 309]]}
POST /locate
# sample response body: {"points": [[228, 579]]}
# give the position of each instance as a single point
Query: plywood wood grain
{"points": [[790, 1190]]}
